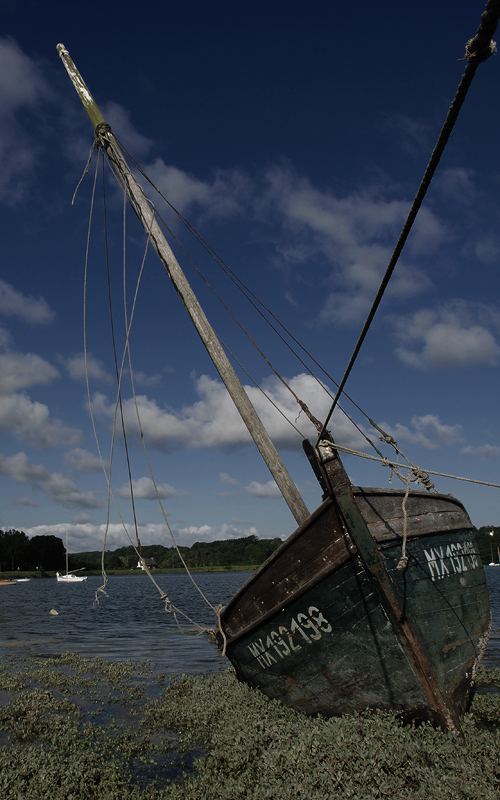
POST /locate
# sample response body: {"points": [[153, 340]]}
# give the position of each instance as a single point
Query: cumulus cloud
{"points": [[58, 487], [427, 431], [13, 303], [81, 460], [76, 368], [484, 451], [225, 478], [144, 490], [24, 501], [30, 421], [223, 196], [213, 421], [269, 489], [22, 370], [414, 136], [89, 535], [457, 335], [23, 88], [119, 119], [353, 235], [188, 535]]}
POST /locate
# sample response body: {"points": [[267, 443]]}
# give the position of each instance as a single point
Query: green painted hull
{"points": [[329, 646]]}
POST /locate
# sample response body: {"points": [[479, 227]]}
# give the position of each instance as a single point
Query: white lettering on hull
{"points": [[278, 644], [452, 559]]}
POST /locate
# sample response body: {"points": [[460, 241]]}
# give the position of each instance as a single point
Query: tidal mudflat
{"points": [[73, 727]]}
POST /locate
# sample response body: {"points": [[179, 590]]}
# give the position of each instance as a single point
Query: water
{"points": [[492, 657], [131, 623]]}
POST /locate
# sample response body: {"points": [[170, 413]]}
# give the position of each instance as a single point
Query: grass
{"points": [[75, 728]]}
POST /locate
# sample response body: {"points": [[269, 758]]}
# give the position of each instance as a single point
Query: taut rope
{"points": [[478, 49]]}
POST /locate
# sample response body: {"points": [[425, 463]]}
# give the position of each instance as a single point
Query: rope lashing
{"points": [[416, 475], [218, 610], [100, 130], [481, 46], [168, 605]]}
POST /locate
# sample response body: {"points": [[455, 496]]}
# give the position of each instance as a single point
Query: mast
{"points": [[145, 213]]}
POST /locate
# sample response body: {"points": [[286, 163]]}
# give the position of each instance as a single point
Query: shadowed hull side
{"points": [[309, 629]]}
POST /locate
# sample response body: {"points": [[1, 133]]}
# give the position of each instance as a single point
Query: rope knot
{"points": [[168, 605], [422, 477], [403, 561], [99, 133]]}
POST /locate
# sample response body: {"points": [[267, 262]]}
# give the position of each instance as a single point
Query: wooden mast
{"points": [[146, 215]]}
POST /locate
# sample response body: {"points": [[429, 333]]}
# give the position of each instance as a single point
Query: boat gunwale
{"points": [[384, 542]]}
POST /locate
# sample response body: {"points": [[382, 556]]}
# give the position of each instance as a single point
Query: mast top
{"points": [[88, 101]]}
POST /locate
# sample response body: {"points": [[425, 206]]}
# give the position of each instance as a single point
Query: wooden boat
{"points": [[7, 582], [336, 620], [319, 629]]}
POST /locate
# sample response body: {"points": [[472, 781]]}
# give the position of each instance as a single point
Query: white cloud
{"points": [[213, 421], [24, 501], [427, 431], [144, 490], [22, 88], [456, 184], [21, 370], [209, 533], [353, 235], [269, 489], [30, 421], [88, 535], [457, 335], [82, 461], [75, 365], [13, 303], [58, 488], [485, 451], [414, 136], [119, 119], [487, 249], [220, 198], [225, 478]]}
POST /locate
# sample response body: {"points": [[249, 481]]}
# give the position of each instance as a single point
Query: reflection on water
{"points": [[131, 622]]}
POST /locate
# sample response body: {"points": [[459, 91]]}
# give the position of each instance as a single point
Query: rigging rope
{"points": [[478, 49], [169, 606]]}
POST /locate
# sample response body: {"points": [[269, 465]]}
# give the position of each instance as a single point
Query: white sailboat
{"points": [[69, 577]]}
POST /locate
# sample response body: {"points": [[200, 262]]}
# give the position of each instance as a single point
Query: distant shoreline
{"points": [[156, 571]]}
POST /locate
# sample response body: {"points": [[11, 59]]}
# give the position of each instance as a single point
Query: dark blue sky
{"points": [[293, 136]]}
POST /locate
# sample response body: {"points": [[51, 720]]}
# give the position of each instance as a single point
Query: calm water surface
{"points": [[131, 622]]}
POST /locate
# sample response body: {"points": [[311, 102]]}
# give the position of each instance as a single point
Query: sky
{"points": [[293, 137]]}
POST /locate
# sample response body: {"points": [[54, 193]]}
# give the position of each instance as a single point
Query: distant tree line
{"points": [[19, 552], [247, 551], [47, 553]]}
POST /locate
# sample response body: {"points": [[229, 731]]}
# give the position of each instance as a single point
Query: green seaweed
{"points": [[88, 728]]}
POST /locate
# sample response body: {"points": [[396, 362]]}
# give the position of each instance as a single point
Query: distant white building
{"points": [[150, 563]]}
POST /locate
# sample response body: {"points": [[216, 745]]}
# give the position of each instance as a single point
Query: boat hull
{"points": [[310, 630], [70, 578]]}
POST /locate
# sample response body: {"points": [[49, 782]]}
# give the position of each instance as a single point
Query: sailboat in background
{"points": [[379, 598], [69, 577]]}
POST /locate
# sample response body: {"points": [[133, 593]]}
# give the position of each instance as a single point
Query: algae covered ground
{"points": [[74, 728]]}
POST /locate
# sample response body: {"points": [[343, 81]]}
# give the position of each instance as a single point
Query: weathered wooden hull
{"points": [[310, 630]]}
